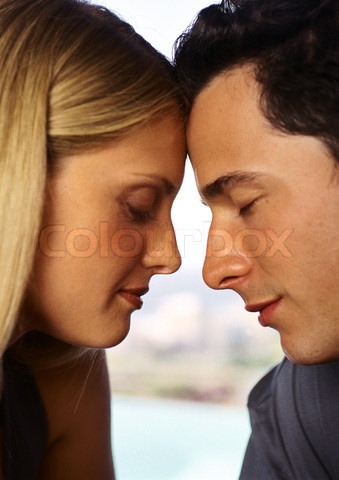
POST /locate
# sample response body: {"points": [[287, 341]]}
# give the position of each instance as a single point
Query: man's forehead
{"points": [[228, 98]]}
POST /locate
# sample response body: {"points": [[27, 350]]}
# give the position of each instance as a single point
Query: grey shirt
{"points": [[294, 413]]}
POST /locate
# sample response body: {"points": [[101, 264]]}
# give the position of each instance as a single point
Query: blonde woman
{"points": [[91, 158]]}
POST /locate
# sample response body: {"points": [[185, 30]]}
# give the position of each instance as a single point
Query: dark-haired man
{"points": [[262, 81]]}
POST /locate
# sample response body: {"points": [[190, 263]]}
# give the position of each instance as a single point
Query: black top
{"points": [[23, 423], [294, 413]]}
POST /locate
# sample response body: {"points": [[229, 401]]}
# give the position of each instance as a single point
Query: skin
{"points": [[106, 231], [274, 199], [77, 404]]}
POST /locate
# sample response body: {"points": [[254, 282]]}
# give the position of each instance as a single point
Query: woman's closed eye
{"points": [[139, 215], [140, 204]]}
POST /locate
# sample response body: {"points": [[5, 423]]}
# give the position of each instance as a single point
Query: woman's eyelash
{"points": [[138, 215]]}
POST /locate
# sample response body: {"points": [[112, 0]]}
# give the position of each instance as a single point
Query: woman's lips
{"points": [[133, 296]]}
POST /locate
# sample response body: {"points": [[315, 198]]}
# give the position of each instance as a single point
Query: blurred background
{"points": [[180, 380]]}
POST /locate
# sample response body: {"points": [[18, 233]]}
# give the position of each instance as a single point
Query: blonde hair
{"points": [[73, 76]]}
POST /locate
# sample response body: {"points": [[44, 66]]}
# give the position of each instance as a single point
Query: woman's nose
{"points": [[161, 251]]}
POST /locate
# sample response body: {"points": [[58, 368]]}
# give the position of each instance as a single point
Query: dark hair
{"points": [[293, 46]]}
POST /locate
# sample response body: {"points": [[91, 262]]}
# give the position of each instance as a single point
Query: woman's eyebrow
{"points": [[152, 180], [226, 182]]}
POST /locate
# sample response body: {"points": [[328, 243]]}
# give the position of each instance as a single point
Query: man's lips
{"points": [[133, 295], [266, 310]]}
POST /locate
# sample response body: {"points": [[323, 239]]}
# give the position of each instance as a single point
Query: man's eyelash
{"points": [[246, 209]]}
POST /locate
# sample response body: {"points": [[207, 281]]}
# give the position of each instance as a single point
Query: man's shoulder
{"points": [[295, 432], [306, 383]]}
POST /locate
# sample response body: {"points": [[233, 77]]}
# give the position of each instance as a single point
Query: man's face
{"points": [[274, 197]]}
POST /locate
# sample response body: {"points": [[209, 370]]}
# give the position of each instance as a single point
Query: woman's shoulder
{"points": [[77, 402], [74, 389]]}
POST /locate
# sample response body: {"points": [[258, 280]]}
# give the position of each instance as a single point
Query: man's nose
{"points": [[224, 264]]}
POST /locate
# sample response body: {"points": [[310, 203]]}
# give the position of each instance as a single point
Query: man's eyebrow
{"points": [[226, 182]]}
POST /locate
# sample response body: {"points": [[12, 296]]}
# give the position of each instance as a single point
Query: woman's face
{"points": [[106, 231]]}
